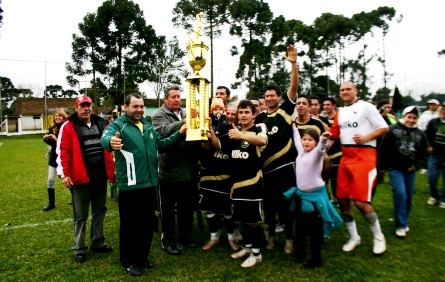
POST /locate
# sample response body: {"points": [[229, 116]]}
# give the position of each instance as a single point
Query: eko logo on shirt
{"points": [[348, 124], [237, 154]]}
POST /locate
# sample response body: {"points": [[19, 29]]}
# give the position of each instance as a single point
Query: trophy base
{"points": [[196, 135]]}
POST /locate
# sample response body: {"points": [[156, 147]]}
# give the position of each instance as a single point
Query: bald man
{"points": [[358, 125]]}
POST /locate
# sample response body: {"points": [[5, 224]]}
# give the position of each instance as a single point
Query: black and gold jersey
{"points": [[280, 150], [246, 173], [215, 172]]}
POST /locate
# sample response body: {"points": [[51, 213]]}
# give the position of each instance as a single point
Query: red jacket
{"points": [[69, 153]]}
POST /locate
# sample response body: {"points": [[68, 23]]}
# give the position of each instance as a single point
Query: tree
{"points": [[441, 53], [216, 15], [381, 93], [120, 44], [1, 16], [397, 101], [86, 48], [251, 23], [9, 92], [168, 66], [53, 91]]}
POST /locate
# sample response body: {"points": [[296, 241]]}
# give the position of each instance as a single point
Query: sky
{"points": [[36, 37]]}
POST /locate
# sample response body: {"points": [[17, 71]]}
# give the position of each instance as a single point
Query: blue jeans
{"points": [[403, 189], [436, 165]]}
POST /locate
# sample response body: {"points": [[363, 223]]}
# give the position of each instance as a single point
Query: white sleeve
{"points": [[375, 118]]}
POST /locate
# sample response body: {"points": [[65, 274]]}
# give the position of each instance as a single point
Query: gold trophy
{"points": [[197, 85]]}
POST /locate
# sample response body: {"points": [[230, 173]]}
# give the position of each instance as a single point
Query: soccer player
{"points": [[357, 125], [247, 179], [279, 156]]}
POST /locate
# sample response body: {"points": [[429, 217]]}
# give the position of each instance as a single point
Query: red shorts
{"points": [[356, 181]]}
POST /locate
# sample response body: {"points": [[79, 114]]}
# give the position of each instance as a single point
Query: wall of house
{"points": [[31, 122]]}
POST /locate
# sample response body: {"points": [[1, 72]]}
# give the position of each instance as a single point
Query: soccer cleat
{"points": [[379, 246], [351, 244], [132, 271], [401, 233], [431, 201], [234, 245], [210, 244], [423, 171], [237, 235], [279, 228], [442, 205], [270, 243], [252, 260], [240, 254], [289, 246]]}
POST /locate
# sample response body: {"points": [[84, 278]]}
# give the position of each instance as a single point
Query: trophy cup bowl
{"points": [[197, 54]]}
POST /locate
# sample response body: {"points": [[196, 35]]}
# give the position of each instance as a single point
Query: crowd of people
{"points": [[266, 157]]}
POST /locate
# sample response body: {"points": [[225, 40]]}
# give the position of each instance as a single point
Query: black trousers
{"points": [[275, 183], [136, 212], [308, 224], [182, 196]]}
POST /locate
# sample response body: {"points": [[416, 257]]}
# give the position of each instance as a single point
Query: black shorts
{"points": [[214, 201], [247, 211]]}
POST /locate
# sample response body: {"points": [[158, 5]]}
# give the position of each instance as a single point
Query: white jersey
{"points": [[425, 117], [358, 118]]}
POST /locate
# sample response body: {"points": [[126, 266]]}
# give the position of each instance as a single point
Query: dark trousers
{"points": [[275, 183], [136, 213], [84, 195], [308, 224], [252, 235], [182, 196]]}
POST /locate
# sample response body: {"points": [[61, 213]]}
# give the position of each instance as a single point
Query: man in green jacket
{"points": [[136, 143]]}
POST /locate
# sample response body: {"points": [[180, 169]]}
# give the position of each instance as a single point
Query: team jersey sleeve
{"points": [[375, 118], [335, 128], [288, 106]]}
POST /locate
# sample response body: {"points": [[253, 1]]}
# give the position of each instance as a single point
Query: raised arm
{"points": [[292, 58]]}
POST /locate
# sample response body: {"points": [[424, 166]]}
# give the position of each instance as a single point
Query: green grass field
{"points": [[35, 245]]}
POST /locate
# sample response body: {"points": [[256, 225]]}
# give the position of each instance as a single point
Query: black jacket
{"points": [[431, 130], [402, 148]]}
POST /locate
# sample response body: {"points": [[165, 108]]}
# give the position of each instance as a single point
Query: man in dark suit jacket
{"points": [[178, 176]]}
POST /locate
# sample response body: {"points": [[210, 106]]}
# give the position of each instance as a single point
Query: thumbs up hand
{"points": [[234, 133], [116, 142]]}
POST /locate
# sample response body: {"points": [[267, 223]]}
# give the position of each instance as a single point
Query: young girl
{"points": [[314, 215]]}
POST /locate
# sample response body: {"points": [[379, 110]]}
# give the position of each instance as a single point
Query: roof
{"points": [[36, 106]]}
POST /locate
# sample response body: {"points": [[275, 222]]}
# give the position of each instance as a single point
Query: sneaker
{"points": [[289, 247], [132, 271], [234, 245], [442, 205], [252, 260], [407, 229], [401, 233], [240, 254], [431, 201], [81, 257], [279, 228], [237, 235], [423, 171], [210, 244], [351, 244], [379, 246], [270, 243]]}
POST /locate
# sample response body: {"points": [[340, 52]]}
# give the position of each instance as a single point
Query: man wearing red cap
{"points": [[84, 167]]}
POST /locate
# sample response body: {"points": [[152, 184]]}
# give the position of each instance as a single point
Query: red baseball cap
{"points": [[83, 99]]}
